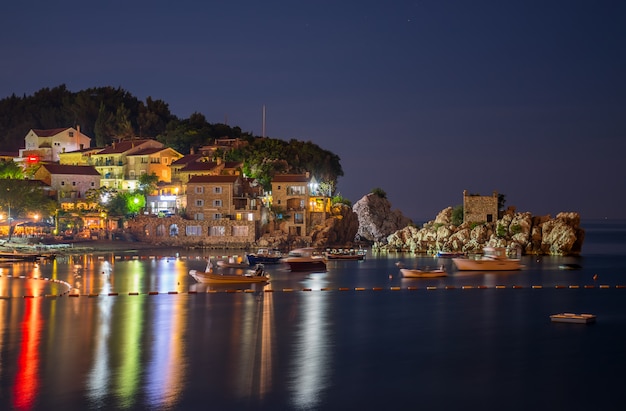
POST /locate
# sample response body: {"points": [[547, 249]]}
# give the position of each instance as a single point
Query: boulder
{"points": [[376, 218]]}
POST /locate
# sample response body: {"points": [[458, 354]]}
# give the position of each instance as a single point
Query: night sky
{"points": [[423, 99]]}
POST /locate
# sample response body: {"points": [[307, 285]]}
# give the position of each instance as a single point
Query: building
{"points": [[289, 200], [46, 145], [69, 182], [121, 164], [480, 209]]}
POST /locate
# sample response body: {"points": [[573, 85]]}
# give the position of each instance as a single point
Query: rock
{"points": [[376, 219], [515, 231]]}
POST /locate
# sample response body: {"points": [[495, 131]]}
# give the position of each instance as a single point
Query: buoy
{"points": [[595, 277]]}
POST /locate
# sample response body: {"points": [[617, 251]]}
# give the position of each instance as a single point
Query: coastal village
{"points": [[203, 201]]}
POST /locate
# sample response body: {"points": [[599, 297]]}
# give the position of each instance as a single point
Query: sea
{"points": [[132, 330]]}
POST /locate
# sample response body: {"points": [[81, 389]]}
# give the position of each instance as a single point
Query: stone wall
{"points": [[477, 208], [176, 231]]}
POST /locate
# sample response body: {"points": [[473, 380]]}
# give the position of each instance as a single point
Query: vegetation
{"points": [[501, 231], [379, 192], [107, 114], [20, 196], [457, 215]]}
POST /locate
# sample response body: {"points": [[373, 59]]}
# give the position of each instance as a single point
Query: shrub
{"points": [[379, 192]]}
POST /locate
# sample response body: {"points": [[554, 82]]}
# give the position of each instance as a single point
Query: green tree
{"points": [[457, 215], [21, 196], [10, 169]]}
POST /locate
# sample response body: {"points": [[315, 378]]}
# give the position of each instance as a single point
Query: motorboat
{"points": [[346, 254], [208, 276], [450, 254], [265, 256], [305, 259], [423, 273], [573, 318], [493, 259]]}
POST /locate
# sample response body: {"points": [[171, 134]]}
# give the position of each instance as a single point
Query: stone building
{"points": [[480, 209]]}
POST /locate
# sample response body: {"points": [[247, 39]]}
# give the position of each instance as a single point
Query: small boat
{"points": [[233, 262], [305, 259], [258, 275], [265, 256], [494, 259], [346, 254], [573, 318], [423, 273], [450, 254]]}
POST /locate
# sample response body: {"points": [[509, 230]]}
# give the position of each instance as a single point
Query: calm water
{"points": [[360, 338]]}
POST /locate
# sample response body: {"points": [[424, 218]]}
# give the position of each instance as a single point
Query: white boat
{"points": [[425, 273], [207, 276], [573, 318], [305, 259], [493, 259]]}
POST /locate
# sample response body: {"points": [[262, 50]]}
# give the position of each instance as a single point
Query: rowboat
{"points": [[426, 273], [573, 318]]}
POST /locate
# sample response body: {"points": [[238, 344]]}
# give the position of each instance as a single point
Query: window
{"points": [[131, 174], [93, 184], [217, 216], [199, 190], [217, 190], [199, 203], [192, 230], [298, 218], [74, 183], [217, 231], [198, 216], [62, 183], [71, 134], [240, 231], [217, 203]]}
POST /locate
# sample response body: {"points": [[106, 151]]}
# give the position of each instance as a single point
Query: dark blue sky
{"points": [[423, 99]]}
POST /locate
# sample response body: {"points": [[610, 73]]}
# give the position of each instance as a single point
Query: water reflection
{"points": [[27, 378], [311, 351]]}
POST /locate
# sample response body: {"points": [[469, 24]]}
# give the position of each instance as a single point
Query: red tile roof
{"points": [[67, 169], [199, 166], [212, 179], [290, 178], [122, 146], [49, 133]]}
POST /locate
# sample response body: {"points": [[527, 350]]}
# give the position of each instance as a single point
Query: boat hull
{"points": [[258, 259], [213, 278], [357, 257], [226, 264], [573, 318], [466, 264], [306, 265], [408, 273]]}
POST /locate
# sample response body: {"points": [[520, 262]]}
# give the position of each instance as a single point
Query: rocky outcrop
{"points": [[515, 231], [376, 219], [337, 230]]}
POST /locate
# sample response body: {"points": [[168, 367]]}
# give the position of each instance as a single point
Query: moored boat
{"points": [[423, 273], [493, 259], [450, 254], [208, 276], [305, 259], [265, 256], [573, 318], [346, 254]]}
